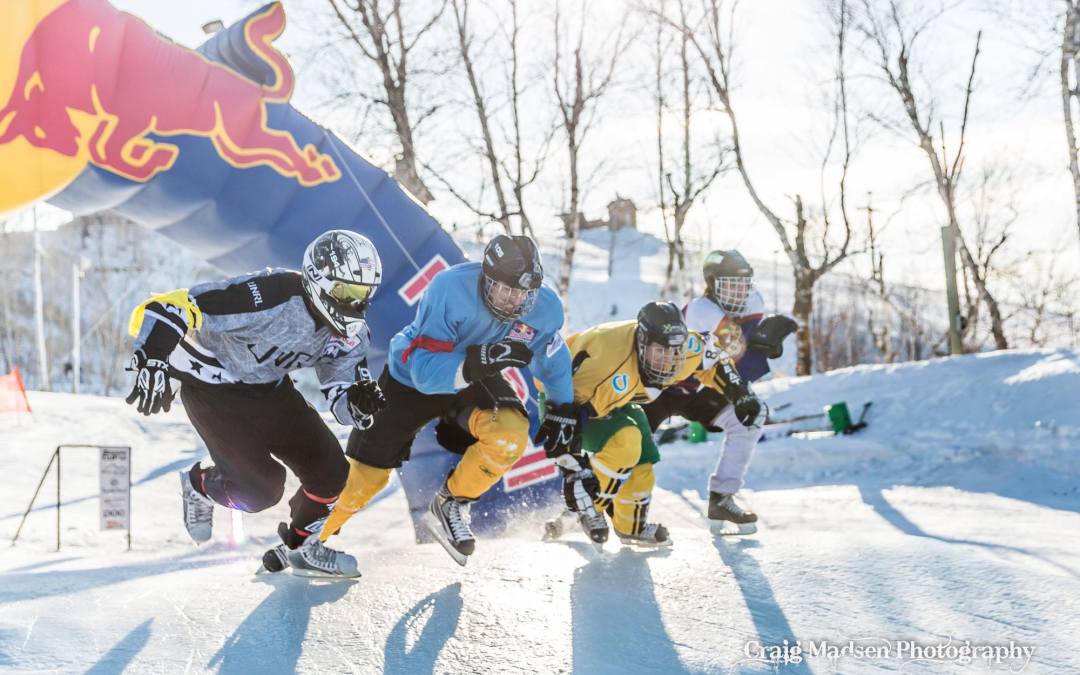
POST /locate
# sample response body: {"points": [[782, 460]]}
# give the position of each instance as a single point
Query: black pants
{"points": [[702, 406], [388, 442], [247, 429]]}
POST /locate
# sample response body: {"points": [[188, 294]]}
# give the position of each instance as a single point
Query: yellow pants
{"points": [[625, 486], [501, 440]]}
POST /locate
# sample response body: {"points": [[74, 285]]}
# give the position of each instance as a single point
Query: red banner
{"points": [[13, 393]]}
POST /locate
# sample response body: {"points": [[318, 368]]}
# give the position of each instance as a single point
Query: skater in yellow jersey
{"points": [[618, 366]]}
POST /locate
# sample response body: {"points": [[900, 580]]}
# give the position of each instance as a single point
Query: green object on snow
{"points": [[698, 433], [839, 416]]}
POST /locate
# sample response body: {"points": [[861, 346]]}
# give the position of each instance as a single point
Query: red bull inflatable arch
{"points": [[102, 113]]}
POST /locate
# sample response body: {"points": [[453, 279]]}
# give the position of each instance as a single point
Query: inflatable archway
{"points": [[103, 113]]}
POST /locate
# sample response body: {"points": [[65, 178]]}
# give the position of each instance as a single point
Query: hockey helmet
{"points": [[341, 272]]}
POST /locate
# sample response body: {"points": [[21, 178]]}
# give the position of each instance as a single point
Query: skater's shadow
{"points": [[442, 610], [616, 620], [770, 622], [24, 585], [874, 497], [273, 634], [117, 659]]}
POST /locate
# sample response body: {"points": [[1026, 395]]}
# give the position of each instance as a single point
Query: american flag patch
{"points": [[521, 332]]}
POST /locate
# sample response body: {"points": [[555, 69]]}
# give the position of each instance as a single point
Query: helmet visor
{"points": [[351, 295], [661, 363], [505, 301], [732, 293]]}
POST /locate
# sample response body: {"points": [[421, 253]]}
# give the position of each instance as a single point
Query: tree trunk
{"points": [[572, 226], [802, 310], [1069, 56]]}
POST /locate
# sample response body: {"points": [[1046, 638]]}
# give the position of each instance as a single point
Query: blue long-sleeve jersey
{"points": [[429, 353]]}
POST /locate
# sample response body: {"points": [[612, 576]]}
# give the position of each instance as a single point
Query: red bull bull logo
{"points": [[97, 83]]}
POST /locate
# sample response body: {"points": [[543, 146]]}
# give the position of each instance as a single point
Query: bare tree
{"points": [[806, 237], [578, 90], [1070, 91], [879, 320], [689, 186], [383, 38], [508, 178], [894, 36]]}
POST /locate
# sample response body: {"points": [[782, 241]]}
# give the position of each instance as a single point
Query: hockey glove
{"points": [[365, 398], [580, 488], [768, 337], [750, 411], [483, 361], [152, 389], [560, 434]]}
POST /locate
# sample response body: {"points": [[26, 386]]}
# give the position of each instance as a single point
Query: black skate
{"points": [[315, 559], [727, 517], [274, 560], [593, 524], [652, 535], [448, 521]]}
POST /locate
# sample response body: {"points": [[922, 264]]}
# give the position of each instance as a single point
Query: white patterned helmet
{"points": [[341, 272]]}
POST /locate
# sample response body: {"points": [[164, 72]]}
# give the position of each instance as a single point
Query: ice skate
{"points": [[198, 511], [727, 517], [274, 560], [448, 521], [315, 559], [652, 535]]}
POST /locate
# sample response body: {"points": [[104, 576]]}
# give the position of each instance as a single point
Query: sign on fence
{"points": [[115, 469]]}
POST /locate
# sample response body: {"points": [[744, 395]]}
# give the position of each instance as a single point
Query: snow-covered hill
{"points": [[951, 520]]}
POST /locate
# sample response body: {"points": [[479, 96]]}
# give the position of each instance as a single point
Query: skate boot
{"points": [[315, 559], [198, 510], [555, 528], [276, 559], [448, 521], [652, 535], [592, 523], [727, 517], [595, 526]]}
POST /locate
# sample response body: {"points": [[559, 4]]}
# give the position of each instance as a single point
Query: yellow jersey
{"points": [[605, 366]]}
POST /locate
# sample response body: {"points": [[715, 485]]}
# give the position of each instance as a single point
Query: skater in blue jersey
{"points": [[475, 320]]}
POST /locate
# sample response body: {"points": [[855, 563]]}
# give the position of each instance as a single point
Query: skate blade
{"points": [[436, 531], [726, 528], [319, 574], [637, 543]]}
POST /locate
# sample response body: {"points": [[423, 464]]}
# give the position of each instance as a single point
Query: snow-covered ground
{"points": [[952, 519]]}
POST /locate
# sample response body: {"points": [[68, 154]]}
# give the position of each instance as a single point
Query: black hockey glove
{"points": [[768, 337], [750, 411], [365, 398], [580, 488], [152, 389], [560, 434], [483, 361]]}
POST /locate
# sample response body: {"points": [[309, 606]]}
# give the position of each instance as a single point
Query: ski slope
{"points": [[954, 517]]}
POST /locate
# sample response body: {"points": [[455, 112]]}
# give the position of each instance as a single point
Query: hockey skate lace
{"points": [[593, 520], [321, 556], [731, 505], [458, 517], [201, 509]]}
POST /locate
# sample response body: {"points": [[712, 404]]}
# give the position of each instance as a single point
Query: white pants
{"points": [[735, 452]]}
